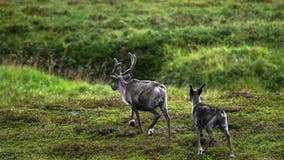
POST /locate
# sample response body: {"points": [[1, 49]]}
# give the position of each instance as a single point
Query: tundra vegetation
{"points": [[56, 57]]}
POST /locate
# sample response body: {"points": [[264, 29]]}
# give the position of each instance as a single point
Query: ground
{"points": [[95, 126]]}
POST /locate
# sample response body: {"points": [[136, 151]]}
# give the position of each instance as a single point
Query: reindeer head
{"points": [[117, 75], [195, 95]]}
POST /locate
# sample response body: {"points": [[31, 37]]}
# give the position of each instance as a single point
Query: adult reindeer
{"points": [[141, 95]]}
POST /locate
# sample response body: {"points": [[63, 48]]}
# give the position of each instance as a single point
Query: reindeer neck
{"points": [[122, 89], [122, 86], [195, 102]]}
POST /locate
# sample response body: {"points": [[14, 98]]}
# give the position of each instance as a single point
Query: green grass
{"points": [[236, 47], [227, 68], [25, 85], [81, 37], [92, 123]]}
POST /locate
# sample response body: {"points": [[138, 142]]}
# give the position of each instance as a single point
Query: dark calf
{"points": [[208, 117]]}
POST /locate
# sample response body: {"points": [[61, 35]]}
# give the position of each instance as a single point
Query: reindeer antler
{"points": [[133, 62], [116, 65]]}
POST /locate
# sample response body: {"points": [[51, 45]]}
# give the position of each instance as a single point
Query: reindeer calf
{"points": [[208, 117]]}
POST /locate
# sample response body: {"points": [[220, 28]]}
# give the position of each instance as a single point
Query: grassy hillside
{"points": [[244, 67], [25, 85], [79, 38], [46, 117]]}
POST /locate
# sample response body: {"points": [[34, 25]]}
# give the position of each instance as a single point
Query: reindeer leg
{"points": [[132, 121], [211, 136], [209, 129], [228, 138], [139, 120], [156, 118], [198, 132], [166, 115]]}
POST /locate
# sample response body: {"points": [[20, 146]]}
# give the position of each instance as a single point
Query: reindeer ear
{"points": [[127, 76], [200, 89], [113, 77], [191, 89]]}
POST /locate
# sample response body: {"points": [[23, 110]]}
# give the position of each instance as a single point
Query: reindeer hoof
{"points": [[150, 131], [232, 156], [201, 151], [132, 123]]}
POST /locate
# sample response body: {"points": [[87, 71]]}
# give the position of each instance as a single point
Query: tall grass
{"points": [[26, 84]]}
